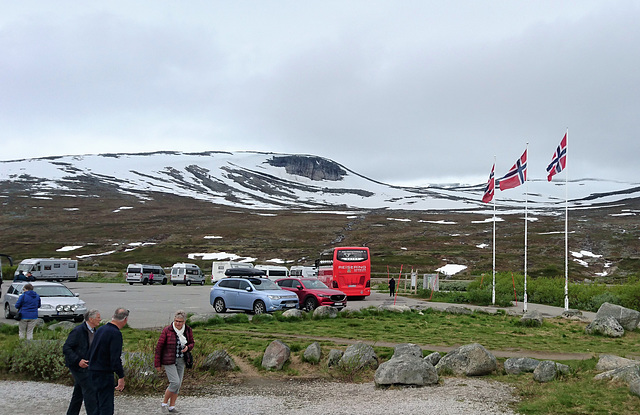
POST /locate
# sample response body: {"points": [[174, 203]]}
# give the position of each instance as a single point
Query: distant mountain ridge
{"points": [[258, 180]]}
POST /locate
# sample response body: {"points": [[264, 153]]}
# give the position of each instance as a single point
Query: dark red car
{"points": [[313, 293]]}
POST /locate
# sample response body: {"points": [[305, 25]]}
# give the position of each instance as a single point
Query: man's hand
{"points": [[84, 363], [120, 386]]}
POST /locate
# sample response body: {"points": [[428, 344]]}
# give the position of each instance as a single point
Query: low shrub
{"points": [[39, 360]]}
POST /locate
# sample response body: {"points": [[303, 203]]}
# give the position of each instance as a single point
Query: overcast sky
{"points": [[404, 92]]}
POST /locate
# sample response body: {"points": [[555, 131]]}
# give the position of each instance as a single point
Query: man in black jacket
{"points": [[76, 357], [104, 361]]}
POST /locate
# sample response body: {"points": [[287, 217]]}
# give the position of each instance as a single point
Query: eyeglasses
{"points": [[178, 321]]}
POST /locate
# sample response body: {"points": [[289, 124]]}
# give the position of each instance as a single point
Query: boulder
{"points": [[358, 356], [546, 371], [334, 357], [634, 387], [395, 308], [610, 362], [454, 309], [293, 313], [433, 358], [313, 353], [276, 355], [469, 360], [407, 349], [406, 370], [517, 365], [625, 374], [219, 361], [63, 325], [325, 311], [532, 319], [572, 314], [201, 318], [627, 317], [607, 326]]}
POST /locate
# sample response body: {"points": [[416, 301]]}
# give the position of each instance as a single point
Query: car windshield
{"points": [[53, 291], [264, 284], [314, 284]]}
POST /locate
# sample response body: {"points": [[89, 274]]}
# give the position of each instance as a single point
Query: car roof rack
{"points": [[244, 272]]}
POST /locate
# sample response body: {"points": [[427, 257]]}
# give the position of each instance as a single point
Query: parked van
{"points": [[219, 267], [188, 274], [142, 273], [50, 269], [300, 271], [274, 272]]}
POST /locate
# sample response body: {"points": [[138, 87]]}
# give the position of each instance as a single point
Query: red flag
{"points": [[516, 176], [490, 188], [559, 160]]}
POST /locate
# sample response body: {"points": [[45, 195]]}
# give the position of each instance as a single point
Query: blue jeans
{"points": [[104, 385], [82, 390]]}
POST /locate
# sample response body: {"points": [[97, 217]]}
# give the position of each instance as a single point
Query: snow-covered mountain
{"points": [[278, 181]]}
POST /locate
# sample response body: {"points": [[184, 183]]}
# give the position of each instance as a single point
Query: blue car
{"points": [[259, 295]]}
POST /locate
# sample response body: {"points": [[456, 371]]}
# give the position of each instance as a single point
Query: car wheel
{"points": [[78, 319], [188, 283], [164, 281], [259, 308], [174, 284], [7, 311], [201, 282], [219, 306], [310, 304], [130, 283]]}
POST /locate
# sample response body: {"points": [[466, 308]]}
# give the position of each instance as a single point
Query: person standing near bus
{"points": [[392, 287]]}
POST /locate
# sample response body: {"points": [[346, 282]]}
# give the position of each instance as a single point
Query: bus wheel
{"points": [[310, 304], [259, 308]]}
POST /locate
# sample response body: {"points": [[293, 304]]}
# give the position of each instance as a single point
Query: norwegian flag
{"points": [[490, 187], [516, 176], [559, 160]]}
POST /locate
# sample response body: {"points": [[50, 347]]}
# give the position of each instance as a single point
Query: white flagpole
{"points": [[526, 202], [493, 289], [566, 228]]}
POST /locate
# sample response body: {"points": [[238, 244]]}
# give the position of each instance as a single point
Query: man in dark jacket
{"points": [[76, 357], [392, 287], [104, 361], [20, 277]]}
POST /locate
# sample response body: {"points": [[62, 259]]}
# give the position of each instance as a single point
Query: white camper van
{"points": [[274, 272], [303, 272], [142, 273], [219, 267], [50, 269], [187, 274]]}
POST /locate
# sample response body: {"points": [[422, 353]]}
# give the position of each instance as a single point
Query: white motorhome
{"points": [[182, 273], [50, 269], [303, 272], [274, 272], [219, 267]]}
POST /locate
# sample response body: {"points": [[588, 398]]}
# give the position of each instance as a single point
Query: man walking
{"points": [[392, 287], [104, 361], [76, 357]]}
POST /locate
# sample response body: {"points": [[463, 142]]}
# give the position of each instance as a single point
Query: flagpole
{"points": [[493, 288], [526, 202], [566, 228]]}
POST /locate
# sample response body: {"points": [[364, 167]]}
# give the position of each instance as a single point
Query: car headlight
{"points": [[66, 307], [324, 295], [46, 307], [275, 297]]}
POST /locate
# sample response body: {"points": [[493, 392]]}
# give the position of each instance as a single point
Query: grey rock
{"points": [[546, 371], [517, 365], [293, 313], [454, 309], [607, 326], [532, 319], [625, 374], [276, 355], [469, 360], [201, 318], [634, 387], [358, 356], [395, 308], [433, 358], [608, 362], [406, 370], [325, 311], [219, 361], [627, 317], [407, 349], [63, 325], [572, 314], [313, 352], [334, 357]]}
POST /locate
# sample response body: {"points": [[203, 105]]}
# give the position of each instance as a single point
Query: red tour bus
{"points": [[347, 269]]}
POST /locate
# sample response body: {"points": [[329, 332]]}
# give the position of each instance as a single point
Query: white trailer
{"points": [[301, 271], [274, 272], [219, 267], [49, 269]]}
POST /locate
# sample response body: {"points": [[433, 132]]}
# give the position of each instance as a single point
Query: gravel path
{"points": [[452, 397]]}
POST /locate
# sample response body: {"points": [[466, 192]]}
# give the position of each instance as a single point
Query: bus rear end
{"points": [[346, 269]]}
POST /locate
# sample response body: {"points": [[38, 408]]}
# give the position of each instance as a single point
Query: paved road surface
{"points": [[154, 305]]}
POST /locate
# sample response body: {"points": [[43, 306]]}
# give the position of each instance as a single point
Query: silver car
{"points": [[57, 301]]}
